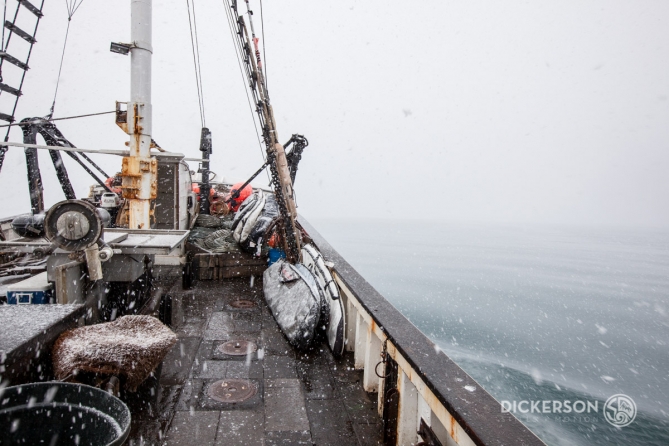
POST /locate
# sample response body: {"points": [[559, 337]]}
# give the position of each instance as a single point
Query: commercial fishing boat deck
{"points": [[392, 385], [301, 398]]}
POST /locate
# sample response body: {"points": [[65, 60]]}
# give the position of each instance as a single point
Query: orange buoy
{"points": [[243, 195]]}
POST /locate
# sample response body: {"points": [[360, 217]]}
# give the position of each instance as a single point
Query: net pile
{"points": [[220, 241], [213, 233], [208, 221], [129, 347]]}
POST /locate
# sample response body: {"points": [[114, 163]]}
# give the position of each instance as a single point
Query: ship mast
{"points": [[139, 170], [276, 156]]}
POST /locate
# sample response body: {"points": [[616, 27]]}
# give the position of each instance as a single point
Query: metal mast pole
{"points": [[140, 169], [205, 186]]}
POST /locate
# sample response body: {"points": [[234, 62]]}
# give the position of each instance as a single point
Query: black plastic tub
{"points": [[62, 414]]}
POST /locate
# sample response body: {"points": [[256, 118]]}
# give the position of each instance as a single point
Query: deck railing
{"points": [[419, 387]]}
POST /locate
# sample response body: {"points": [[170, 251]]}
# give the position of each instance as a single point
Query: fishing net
{"points": [[208, 221], [131, 346], [198, 234], [220, 241]]}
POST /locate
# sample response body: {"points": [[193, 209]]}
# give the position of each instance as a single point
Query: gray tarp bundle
{"points": [[255, 237], [252, 220], [313, 260], [247, 214], [296, 301]]}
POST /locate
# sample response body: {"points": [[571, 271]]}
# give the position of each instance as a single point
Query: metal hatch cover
{"points": [[242, 303], [232, 390], [238, 347]]}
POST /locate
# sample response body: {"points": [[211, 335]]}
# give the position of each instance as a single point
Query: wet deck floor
{"points": [[302, 398]]}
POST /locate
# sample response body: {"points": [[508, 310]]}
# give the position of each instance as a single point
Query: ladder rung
{"points": [[30, 7], [7, 118], [8, 89], [19, 32], [13, 60]]}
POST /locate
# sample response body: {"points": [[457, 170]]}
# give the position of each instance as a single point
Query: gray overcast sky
{"points": [[514, 111]]}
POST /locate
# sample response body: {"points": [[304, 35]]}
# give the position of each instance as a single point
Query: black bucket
{"points": [[62, 414]]}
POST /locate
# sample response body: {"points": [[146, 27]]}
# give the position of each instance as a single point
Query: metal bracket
{"points": [[121, 48], [428, 435]]}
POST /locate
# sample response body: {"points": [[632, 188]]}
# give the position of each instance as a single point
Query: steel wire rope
{"points": [[260, 94], [64, 118], [72, 7], [199, 65], [264, 56], [238, 51], [74, 3], [195, 64]]}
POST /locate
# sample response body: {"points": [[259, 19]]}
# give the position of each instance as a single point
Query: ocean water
{"points": [[534, 313]]}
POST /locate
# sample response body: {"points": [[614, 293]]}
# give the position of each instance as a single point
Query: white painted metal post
{"points": [[360, 351], [408, 410], [139, 169], [370, 380]]}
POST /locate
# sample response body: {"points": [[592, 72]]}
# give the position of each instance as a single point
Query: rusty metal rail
{"points": [[418, 386]]}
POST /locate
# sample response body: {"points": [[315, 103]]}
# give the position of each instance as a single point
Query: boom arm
{"points": [[276, 156]]}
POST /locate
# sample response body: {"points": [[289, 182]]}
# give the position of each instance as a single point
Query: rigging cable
{"points": [[72, 7], [254, 39], [235, 43], [199, 66], [196, 59], [66, 117], [264, 42]]}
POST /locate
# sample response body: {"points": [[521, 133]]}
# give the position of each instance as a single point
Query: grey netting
{"points": [[198, 234], [220, 241], [208, 221]]}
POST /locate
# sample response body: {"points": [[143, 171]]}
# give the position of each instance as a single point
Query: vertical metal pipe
{"points": [[205, 187], [139, 169], [140, 59]]}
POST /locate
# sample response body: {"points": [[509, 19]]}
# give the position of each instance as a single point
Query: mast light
{"points": [[120, 48]]}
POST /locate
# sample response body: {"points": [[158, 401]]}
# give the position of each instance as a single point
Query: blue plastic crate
{"points": [[33, 290]]}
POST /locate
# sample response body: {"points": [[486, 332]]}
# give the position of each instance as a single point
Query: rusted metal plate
{"points": [[238, 348], [242, 303], [232, 390]]}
